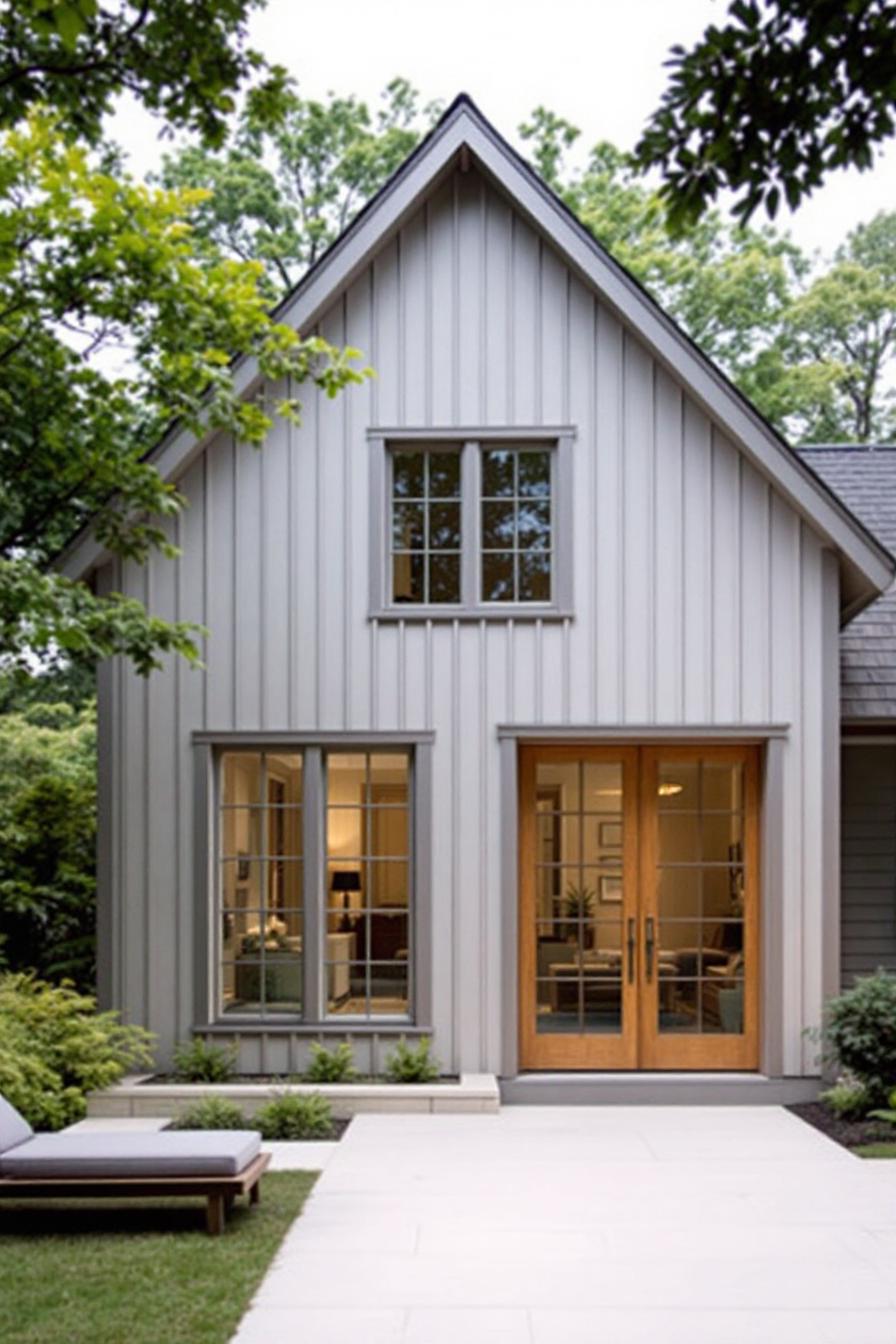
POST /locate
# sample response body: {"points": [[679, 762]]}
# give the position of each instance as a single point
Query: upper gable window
{"points": [[472, 529]]}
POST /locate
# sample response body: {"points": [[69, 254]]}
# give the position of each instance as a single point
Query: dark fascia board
{"points": [[867, 568]]}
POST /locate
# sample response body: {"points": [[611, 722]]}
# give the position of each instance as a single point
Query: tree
{"points": [[94, 265], [47, 840], [281, 193], [182, 59], [773, 101], [731, 289], [813, 348], [844, 327]]}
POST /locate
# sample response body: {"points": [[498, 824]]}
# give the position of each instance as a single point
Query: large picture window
{"points": [[324, 929]]}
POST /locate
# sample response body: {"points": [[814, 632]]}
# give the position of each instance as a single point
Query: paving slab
{"points": [[545, 1224]]}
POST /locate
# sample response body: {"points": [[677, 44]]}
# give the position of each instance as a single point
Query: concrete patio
{"points": [[564, 1225]]}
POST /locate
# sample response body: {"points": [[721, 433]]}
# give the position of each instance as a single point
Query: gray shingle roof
{"points": [[864, 476]]}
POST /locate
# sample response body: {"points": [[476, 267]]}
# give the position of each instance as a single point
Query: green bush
{"points": [[295, 1116], [55, 1047], [847, 1099], [411, 1063], [860, 1031], [211, 1113], [331, 1066], [888, 1114], [48, 842], [197, 1062]]}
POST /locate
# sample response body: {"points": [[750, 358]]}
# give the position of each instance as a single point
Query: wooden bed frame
{"points": [[219, 1191]]}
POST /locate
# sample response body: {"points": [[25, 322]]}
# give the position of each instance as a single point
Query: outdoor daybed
{"points": [[218, 1164]]}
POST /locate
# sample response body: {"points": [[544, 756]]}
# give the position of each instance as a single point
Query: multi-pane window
{"points": [[472, 525], [261, 882], [369, 873], [426, 526], [516, 525], [322, 933]]}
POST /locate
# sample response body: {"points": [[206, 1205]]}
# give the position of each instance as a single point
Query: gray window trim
{"points": [[208, 747], [205, 847], [558, 438], [641, 733]]}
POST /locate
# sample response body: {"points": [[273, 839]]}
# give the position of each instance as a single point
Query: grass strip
{"points": [[137, 1271], [875, 1150]]}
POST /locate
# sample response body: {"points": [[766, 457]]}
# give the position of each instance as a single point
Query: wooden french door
{"points": [[639, 907]]}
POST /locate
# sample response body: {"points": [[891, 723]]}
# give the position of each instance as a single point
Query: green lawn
{"points": [[109, 1273], [876, 1150]]}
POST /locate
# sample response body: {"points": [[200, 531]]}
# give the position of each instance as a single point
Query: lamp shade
{"points": [[346, 880]]}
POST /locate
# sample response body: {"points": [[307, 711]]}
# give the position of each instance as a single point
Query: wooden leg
{"points": [[214, 1215], [255, 1193]]}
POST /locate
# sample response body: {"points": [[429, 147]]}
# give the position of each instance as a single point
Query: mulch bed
{"points": [[848, 1133]]}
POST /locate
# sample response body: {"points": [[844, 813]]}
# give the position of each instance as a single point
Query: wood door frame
{"points": [[574, 1051], [639, 1046]]}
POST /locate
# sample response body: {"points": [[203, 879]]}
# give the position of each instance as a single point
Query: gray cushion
{"points": [[14, 1128], [172, 1153]]}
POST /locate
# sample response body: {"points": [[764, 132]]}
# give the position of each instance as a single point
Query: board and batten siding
{"points": [[868, 938], [698, 599]]}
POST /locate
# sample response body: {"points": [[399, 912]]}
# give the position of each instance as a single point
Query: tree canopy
{"points": [[185, 60], [769, 103], [110, 328], [813, 347], [281, 193]]}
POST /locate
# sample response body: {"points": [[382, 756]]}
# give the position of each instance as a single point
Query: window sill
{"points": [[269, 1027], [445, 615]]}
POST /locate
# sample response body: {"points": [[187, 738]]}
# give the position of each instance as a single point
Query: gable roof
{"points": [[864, 476], [865, 566]]}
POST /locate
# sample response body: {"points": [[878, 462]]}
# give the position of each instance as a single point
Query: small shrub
{"points": [[411, 1063], [293, 1116], [888, 1115], [860, 1031], [197, 1062], [331, 1066], [211, 1113], [847, 1099], [55, 1047]]}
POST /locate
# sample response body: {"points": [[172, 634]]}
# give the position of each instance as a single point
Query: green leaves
{"points": [[113, 325], [281, 192], [182, 59], [769, 105], [55, 1047]]}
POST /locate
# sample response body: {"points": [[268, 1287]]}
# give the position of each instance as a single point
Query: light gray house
{"points": [[519, 726], [865, 479]]}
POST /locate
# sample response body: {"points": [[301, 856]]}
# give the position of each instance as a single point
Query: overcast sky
{"points": [[599, 64]]}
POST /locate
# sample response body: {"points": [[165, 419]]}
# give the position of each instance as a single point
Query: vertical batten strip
{"points": [[484, 806]]}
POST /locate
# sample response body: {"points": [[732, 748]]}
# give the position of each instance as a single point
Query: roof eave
{"points": [[463, 125]]}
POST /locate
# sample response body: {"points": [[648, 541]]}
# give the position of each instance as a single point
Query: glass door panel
{"points": [[698, 891], [578, 853]]}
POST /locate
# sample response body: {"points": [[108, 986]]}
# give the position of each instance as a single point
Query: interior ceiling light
{"points": [[669, 790]]}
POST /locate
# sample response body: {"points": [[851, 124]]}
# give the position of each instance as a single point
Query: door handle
{"points": [[649, 944], [631, 951]]}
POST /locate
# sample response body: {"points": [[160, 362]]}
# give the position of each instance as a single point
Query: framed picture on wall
{"points": [[611, 890], [609, 834]]}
